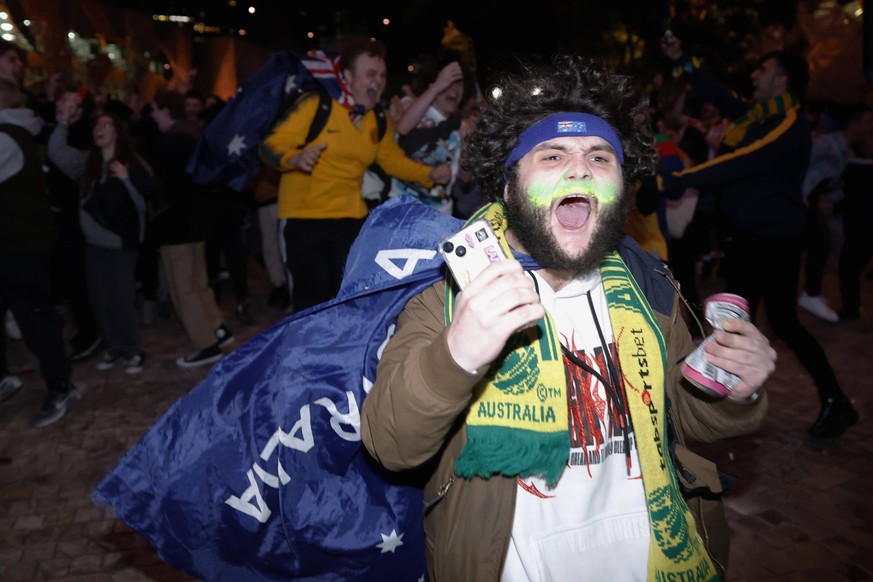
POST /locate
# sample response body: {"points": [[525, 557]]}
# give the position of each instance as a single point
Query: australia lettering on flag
{"points": [[259, 472], [227, 151]]}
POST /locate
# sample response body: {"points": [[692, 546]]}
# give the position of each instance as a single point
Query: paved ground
{"points": [[798, 512]]}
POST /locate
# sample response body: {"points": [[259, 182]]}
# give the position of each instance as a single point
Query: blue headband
{"points": [[564, 125]]}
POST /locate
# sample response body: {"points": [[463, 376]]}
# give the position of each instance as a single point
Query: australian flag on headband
{"points": [[259, 473], [227, 151]]}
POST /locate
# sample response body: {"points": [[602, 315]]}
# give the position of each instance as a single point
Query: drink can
{"points": [[697, 368]]}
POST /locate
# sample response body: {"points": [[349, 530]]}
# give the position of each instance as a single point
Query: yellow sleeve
{"points": [[393, 160]]}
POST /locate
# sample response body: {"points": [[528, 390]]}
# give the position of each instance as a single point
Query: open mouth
{"points": [[572, 212]]}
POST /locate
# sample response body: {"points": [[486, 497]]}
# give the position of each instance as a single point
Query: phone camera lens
{"points": [[448, 247], [461, 251]]}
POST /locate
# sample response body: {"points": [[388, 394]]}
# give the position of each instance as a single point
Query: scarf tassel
{"points": [[487, 454]]}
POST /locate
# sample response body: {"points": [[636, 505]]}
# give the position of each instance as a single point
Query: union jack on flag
{"points": [[326, 68]]}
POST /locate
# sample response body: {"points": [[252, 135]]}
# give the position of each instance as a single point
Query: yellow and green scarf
{"points": [[736, 131], [518, 421]]}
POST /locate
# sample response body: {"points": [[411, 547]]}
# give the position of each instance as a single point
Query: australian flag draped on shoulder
{"points": [[227, 151], [259, 473]]}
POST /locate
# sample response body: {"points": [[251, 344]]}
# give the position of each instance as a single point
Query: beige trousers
{"points": [[193, 300]]}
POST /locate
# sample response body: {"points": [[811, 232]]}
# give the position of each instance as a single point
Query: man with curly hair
{"points": [[545, 402]]}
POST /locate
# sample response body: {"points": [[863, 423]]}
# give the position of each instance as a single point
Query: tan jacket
{"points": [[414, 417]]}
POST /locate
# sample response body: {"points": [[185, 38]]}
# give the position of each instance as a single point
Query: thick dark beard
{"points": [[530, 225]]}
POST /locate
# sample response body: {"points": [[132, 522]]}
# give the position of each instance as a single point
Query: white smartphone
{"points": [[470, 250]]}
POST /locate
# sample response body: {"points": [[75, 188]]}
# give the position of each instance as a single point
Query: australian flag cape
{"points": [[259, 473], [227, 150]]}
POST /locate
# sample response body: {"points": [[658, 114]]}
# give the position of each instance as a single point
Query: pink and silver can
{"points": [[697, 368]]}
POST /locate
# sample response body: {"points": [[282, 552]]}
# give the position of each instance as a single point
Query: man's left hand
{"points": [[741, 348]]}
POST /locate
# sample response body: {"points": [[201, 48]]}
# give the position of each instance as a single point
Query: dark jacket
{"points": [[410, 419], [187, 217], [761, 181], [25, 217], [118, 210]]}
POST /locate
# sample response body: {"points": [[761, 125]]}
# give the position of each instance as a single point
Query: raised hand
{"points": [[499, 301]]}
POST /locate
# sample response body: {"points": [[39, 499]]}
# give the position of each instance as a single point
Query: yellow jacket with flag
{"points": [[413, 418], [333, 189]]}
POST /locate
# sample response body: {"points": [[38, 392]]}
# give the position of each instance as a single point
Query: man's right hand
{"points": [[441, 174], [306, 159], [448, 75], [67, 108], [497, 303]]}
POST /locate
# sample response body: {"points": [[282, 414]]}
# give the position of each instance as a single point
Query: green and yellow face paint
{"points": [[542, 193]]}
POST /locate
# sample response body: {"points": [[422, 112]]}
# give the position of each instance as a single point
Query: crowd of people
{"points": [[128, 219], [98, 213], [132, 236]]}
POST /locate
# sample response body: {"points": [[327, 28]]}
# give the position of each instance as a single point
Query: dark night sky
{"points": [[416, 26], [497, 30]]}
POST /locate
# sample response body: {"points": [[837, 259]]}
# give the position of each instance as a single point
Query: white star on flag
{"points": [[290, 83], [236, 145], [390, 542]]}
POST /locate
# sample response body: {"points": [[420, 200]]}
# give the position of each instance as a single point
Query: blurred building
{"points": [[120, 51], [123, 48]]}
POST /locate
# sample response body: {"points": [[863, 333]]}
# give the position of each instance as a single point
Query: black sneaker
{"points": [[223, 335], [107, 361], [201, 357], [84, 349], [54, 407], [134, 364], [835, 417]]}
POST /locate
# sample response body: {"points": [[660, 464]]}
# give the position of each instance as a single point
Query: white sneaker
{"points": [[818, 307], [107, 361], [134, 364], [13, 332]]}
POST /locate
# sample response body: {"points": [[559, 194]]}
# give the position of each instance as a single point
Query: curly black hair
{"points": [[535, 91]]}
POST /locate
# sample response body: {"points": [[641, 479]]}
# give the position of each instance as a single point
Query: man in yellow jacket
{"points": [[320, 206]]}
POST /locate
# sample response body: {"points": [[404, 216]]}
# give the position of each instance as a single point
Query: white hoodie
{"points": [[11, 156]]}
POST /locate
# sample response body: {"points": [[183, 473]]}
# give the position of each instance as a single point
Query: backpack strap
{"points": [[322, 112], [321, 115], [381, 121]]}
